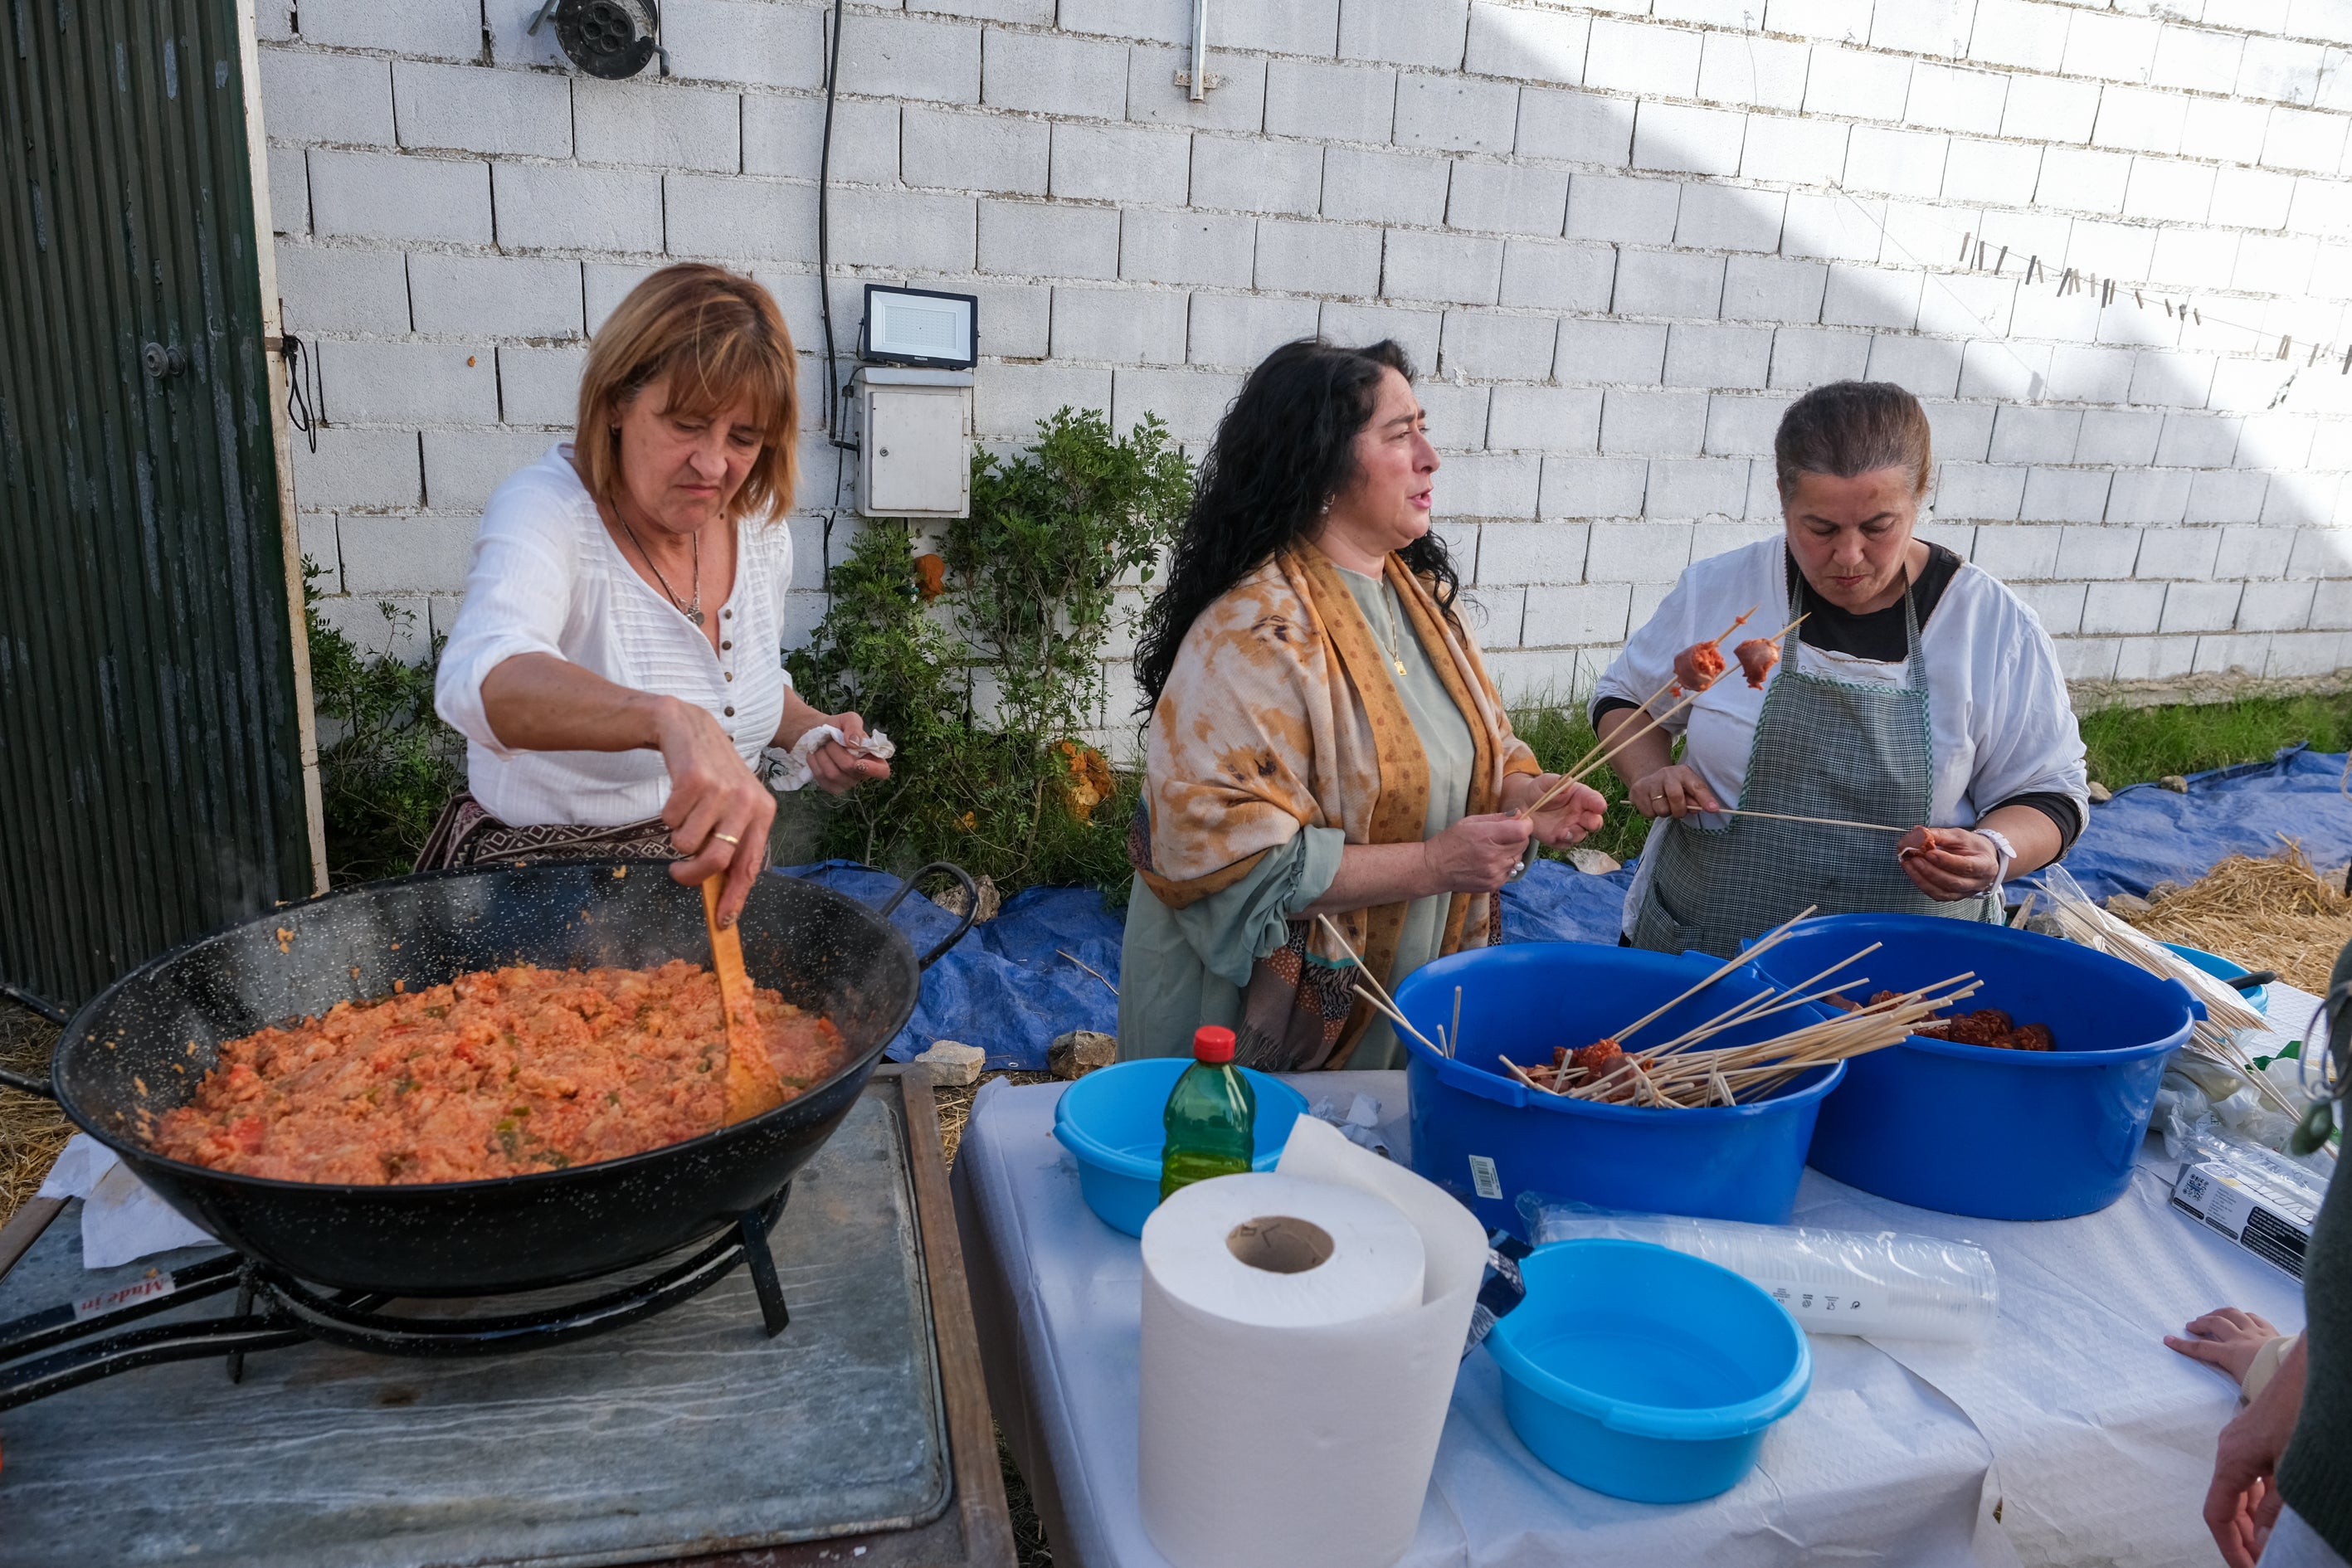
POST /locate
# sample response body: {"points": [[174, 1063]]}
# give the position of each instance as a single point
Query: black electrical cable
{"points": [[300, 395], [833, 390]]}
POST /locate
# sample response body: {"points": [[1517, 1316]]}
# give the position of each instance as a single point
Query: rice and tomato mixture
{"points": [[498, 1073]]}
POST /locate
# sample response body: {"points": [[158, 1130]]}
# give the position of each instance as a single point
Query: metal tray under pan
{"points": [[690, 1432]]}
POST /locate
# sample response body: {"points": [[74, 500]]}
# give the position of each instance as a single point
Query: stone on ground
{"points": [[953, 1064], [1080, 1052]]}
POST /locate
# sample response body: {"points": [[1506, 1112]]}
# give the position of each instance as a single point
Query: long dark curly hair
{"points": [[1285, 448]]}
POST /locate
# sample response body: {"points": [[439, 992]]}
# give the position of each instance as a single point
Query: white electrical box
{"points": [[914, 442]]}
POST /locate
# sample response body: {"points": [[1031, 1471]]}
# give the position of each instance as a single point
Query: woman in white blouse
{"points": [[1916, 692], [615, 667]]}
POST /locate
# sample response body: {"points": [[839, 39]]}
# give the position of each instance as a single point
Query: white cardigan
{"points": [[547, 578], [1999, 721]]}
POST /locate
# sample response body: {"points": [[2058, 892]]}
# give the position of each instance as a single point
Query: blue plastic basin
{"points": [[2220, 968], [1644, 1372], [1109, 1121], [1995, 1135], [1486, 1138]]}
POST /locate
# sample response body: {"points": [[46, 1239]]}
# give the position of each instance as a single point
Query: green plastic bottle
{"points": [[1210, 1116]]}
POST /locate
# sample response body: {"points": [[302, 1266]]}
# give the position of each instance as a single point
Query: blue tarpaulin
{"points": [[2148, 834], [1014, 983], [1009, 989], [1006, 987]]}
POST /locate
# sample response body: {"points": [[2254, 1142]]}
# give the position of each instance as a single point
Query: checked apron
{"points": [[1822, 748]]}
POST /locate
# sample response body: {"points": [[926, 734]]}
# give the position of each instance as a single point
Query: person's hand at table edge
{"points": [[2244, 1501]]}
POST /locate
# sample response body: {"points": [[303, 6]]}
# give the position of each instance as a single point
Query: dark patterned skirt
{"points": [[465, 834]]}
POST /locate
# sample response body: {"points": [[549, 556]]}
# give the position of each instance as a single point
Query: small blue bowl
{"points": [[2220, 968], [1110, 1121], [1644, 1373]]}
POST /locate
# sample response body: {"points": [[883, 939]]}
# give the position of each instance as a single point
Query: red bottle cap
{"points": [[1213, 1043]]}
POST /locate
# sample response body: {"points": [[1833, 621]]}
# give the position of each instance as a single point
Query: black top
{"points": [[1881, 636]]}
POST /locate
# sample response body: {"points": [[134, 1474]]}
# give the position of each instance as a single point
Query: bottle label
{"points": [[1483, 1180]]}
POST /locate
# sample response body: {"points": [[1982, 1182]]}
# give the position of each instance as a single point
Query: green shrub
{"points": [[1028, 595], [390, 763], [1051, 531]]}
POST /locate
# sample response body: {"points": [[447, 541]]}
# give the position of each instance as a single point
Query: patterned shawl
{"points": [[1280, 713]]}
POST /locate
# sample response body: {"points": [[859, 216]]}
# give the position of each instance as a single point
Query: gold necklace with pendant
{"points": [[1388, 608]]}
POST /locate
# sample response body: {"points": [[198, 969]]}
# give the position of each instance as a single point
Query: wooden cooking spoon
{"points": [[752, 1084]]}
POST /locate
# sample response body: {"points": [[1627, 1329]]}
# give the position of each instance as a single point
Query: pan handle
{"points": [[39, 1086], [971, 910], [24, 998]]}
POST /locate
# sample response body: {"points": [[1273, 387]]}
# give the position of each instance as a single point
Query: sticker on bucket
{"points": [[1483, 1180]]}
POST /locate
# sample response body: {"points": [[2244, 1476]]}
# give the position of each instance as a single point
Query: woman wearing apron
{"points": [[1915, 690]]}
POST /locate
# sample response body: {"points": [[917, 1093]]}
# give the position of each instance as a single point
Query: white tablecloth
{"points": [[2073, 1422]]}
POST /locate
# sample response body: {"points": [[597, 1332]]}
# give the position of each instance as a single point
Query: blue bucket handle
{"points": [[2195, 1002], [1460, 1075]]}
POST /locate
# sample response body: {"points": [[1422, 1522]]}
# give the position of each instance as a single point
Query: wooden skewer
{"points": [[1578, 768], [1761, 1067], [1521, 1074], [1634, 732], [1794, 996], [1728, 965], [1399, 1019], [1377, 995], [1817, 821], [1626, 737]]}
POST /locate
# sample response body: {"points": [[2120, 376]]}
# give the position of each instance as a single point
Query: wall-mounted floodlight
{"points": [[610, 38], [920, 327]]}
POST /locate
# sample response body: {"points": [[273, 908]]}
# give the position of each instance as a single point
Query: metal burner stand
{"points": [[273, 1311]]}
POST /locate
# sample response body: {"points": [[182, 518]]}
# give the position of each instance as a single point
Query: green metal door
{"points": [[151, 773]]}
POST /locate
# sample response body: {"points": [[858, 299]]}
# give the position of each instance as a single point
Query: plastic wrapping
{"points": [[2198, 1090], [1360, 1124], [1831, 1282], [2210, 1139]]}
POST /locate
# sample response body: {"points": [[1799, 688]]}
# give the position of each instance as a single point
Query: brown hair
{"points": [[721, 338], [1850, 427]]}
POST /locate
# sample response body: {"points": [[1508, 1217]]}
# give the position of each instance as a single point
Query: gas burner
{"points": [[86, 1341]]}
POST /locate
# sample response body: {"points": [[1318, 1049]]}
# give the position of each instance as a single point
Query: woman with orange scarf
{"points": [[1323, 738]]}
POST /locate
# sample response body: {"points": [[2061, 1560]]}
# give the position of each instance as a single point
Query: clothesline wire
{"points": [[2074, 278]]}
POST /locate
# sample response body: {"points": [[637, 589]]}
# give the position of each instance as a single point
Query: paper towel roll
{"points": [[1290, 1421], [1274, 1252]]}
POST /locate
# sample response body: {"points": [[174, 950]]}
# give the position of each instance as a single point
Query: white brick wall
{"points": [[1616, 237]]}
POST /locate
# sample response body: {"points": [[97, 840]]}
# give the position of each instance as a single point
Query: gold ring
{"points": [[728, 837]]}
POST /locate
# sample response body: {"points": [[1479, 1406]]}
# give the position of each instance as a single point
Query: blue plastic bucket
{"points": [[1644, 1372], [1486, 1138], [2220, 968], [1110, 1122], [1995, 1135]]}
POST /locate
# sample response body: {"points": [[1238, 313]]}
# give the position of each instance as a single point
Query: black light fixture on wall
{"points": [[610, 38]]}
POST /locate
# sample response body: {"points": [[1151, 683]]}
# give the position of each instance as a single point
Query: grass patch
{"points": [[1559, 735], [2135, 746]]}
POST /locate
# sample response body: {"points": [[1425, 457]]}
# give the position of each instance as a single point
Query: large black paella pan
{"points": [[141, 1047]]}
